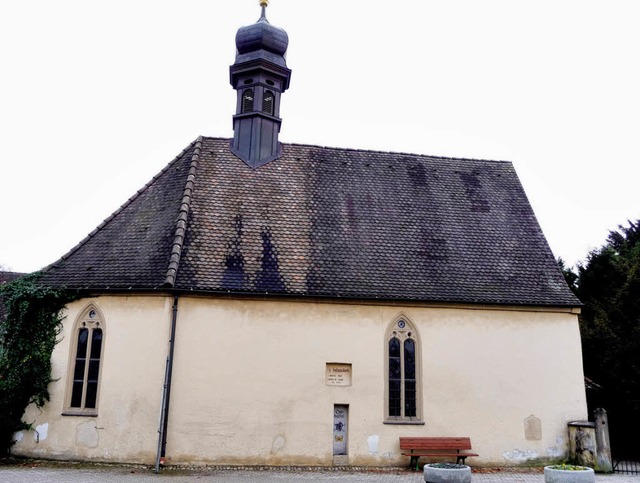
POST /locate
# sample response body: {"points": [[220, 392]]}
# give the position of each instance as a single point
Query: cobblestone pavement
{"points": [[36, 473]]}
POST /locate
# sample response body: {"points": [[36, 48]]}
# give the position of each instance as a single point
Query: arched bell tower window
{"points": [[85, 364], [267, 103], [402, 384], [247, 101]]}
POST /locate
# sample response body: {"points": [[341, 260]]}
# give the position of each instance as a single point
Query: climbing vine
{"points": [[28, 335]]}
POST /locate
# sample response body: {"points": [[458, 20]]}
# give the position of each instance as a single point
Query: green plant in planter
{"points": [[28, 335], [567, 467], [567, 473]]}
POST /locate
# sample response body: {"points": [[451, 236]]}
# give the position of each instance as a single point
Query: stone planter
{"points": [[555, 475], [447, 473]]}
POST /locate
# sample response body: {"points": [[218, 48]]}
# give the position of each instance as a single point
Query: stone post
{"points": [[602, 441]]}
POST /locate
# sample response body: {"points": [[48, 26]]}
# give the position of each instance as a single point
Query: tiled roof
{"points": [[6, 277], [325, 222]]}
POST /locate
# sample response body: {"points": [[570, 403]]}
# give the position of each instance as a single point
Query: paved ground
{"points": [[46, 473]]}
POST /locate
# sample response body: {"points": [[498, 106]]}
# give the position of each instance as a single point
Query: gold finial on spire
{"points": [[264, 3]]}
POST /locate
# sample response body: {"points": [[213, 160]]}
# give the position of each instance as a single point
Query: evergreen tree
{"points": [[609, 286]]}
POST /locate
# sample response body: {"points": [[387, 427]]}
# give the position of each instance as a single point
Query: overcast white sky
{"points": [[97, 97]]}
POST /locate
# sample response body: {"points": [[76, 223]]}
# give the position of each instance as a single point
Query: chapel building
{"points": [[289, 304]]}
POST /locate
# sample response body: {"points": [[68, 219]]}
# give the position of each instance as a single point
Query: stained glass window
{"points": [[86, 369], [402, 372]]}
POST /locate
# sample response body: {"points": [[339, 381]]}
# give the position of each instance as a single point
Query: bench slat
{"points": [[444, 455], [439, 447], [435, 443]]}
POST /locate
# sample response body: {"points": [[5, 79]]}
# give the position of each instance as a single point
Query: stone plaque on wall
{"points": [[338, 374], [532, 429]]}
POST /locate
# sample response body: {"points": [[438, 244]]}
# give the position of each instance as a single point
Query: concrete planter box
{"points": [[552, 475], [433, 474]]}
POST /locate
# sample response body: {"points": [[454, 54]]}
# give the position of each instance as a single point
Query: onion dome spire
{"points": [[259, 75], [262, 36]]}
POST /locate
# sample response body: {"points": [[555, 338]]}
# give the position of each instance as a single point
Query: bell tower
{"points": [[260, 76]]}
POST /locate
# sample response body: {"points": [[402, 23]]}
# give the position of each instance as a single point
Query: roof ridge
{"points": [[379, 151], [183, 216], [119, 210], [402, 153]]}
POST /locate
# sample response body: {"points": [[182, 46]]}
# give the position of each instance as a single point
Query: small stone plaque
{"points": [[338, 374], [532, 429]]}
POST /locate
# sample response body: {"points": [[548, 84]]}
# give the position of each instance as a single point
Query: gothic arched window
{"points": [[86, 354], [403, 371]]}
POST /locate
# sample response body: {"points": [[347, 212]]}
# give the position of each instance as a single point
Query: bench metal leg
{"points": [[413, 464]]}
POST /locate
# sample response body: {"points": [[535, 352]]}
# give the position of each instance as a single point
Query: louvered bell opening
{"points": [[247, 101], [267, 103]]}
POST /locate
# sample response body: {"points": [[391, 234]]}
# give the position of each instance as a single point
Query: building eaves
{"points": [[101, 226]]}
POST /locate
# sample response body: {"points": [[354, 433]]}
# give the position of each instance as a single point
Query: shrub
{"points": [[28, 335]]}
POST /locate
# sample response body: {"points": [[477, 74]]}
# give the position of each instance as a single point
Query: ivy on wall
{"points": [[28, 335]]}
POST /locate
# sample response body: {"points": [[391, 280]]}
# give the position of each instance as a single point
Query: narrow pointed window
{"points": [[247, 101], [87, 351], [409, 378], [267, 103], [395, 377], [403, 369]]}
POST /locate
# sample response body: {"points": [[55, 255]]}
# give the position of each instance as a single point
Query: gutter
{"points": [[345, 299]]}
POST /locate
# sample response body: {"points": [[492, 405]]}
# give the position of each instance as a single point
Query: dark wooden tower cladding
{"points": [[259, 75]]}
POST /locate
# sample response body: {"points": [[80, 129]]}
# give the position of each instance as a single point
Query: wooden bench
{"points": [[435, 447]]}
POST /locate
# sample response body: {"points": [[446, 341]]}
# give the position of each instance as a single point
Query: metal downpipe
{"points": [[166, 393]]}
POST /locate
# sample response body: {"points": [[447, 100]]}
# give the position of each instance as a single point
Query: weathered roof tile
{"points": [[325, 222]]}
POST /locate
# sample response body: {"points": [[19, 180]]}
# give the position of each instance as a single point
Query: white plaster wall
{"points": [[133, 359], [248, 382]]}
